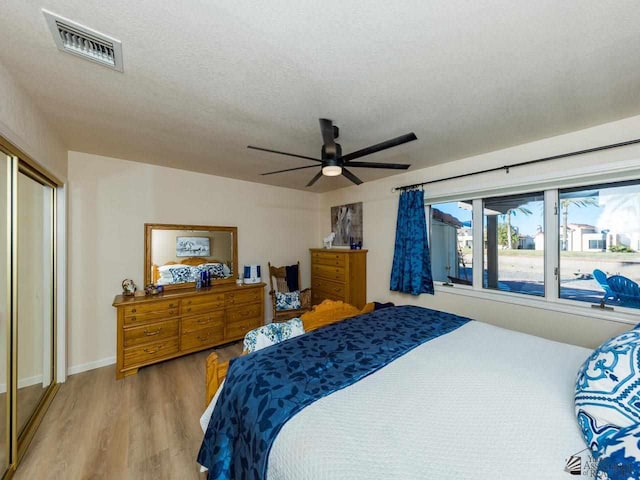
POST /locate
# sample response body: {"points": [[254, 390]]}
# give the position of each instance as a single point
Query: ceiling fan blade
{"points": [[326, 127], [351, 176], [283, 153], [409, 137], [315, 179], [289, 170], [396, 166]]}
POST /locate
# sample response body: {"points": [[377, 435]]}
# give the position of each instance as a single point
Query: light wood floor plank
{"points": [[144, 426]]}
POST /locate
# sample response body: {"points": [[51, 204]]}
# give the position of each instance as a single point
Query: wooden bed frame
{"points": [[327, 312]]}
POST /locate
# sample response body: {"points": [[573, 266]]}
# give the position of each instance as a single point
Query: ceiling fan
{"points": [[333, 163]]}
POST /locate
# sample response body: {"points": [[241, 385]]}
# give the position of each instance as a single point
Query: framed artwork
{"points": [[193, 247], [346, 223]]}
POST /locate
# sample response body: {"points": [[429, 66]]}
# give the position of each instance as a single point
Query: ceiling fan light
{"points": [[332, 170]]}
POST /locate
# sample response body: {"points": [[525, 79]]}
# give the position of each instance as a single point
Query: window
{"points": [[513, 243], [599, 230], [594, 235], [452, 242], [597, 245]]}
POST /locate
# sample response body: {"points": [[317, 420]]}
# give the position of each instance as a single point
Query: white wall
{"points": [[380, 211], [111, 199], [23, 125]]}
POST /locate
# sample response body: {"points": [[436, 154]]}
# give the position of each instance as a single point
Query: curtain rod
{"points": [[529, 162]]}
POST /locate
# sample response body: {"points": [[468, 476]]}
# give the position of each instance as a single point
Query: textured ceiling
{"points": [[204, 79]]}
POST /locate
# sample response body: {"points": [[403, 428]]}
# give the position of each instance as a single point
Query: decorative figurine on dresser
{"points": [[179, 318]]}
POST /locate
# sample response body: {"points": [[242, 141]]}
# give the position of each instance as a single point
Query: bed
{"points": [[187, 270], [473, 402]]}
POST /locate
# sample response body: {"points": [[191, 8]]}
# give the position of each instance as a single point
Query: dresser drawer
{"points": [[151, 332], [147, 317], [145, 308], [202, 307], [203, 337], [328, 258], [239, 329], [327, 286], [199, 300], [150, 352], [240, 297], [330, 272], [198, 322], [239, 314]]}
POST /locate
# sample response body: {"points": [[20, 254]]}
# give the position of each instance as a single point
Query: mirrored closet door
{"points": [[27, 304], [5, 315], [35, 295]]}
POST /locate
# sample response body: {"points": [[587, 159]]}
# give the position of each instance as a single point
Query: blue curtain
{"points": [[411, 271]]}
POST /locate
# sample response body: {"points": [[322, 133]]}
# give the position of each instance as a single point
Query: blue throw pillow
{"points": [[181, 274], [607, 397], [288, 300]]}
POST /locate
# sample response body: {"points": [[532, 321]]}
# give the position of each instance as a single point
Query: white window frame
{"points": [[550, 187]]}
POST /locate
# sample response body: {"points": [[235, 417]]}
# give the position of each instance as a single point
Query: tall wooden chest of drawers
{"points": [[339, 274], [156, 328]]}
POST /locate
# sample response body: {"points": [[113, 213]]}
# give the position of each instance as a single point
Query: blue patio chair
{"points": [[625, 289], [601, 278]]}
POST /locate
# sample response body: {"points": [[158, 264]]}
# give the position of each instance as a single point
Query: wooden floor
{"points": [[143, 427]]}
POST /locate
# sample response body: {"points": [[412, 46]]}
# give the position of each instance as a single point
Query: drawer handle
{"points": [[151, 334], [202, 322], [189, 302], [232, 301], [133, 310], [206, 337], [171, 305], [189, 309], [172, 312], [133, 319], [336, 289], [151, 352]]}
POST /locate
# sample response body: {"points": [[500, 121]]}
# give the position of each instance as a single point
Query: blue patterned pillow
{"points": [[607, 397], [621, 457], [271, 334], [181, 273], [216, 270], [287, 300]]}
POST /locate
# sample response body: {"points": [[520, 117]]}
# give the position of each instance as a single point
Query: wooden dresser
{"points": [[155, 328], [339, 274]]}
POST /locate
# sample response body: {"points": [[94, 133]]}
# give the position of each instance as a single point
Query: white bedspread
{"points": [[478, 403]]}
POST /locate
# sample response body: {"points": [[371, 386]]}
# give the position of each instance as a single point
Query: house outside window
{"points": [[451, 232]]}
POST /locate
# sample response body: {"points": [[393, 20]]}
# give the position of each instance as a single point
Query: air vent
{"points": [[79, 40]]}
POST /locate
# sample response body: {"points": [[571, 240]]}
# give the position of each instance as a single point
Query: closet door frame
{"points": [[20, 163]]}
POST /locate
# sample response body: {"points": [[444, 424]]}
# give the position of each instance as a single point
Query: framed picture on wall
{"points": [[193, 247], [346, 223]]}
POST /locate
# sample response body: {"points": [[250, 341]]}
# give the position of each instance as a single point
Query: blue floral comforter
{"points": [[265, 389]]}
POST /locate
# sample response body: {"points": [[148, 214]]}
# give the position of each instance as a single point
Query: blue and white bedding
{"points": [[178, 273], [477, 402]]}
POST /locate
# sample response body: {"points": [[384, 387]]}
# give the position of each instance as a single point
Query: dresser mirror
{"points": [[176, 255]]}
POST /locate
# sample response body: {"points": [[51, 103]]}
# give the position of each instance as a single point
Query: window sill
{"points": [[626, 316]]}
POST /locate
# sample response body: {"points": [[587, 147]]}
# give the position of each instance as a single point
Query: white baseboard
{"points": [[24, 382], [91, 365]]}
